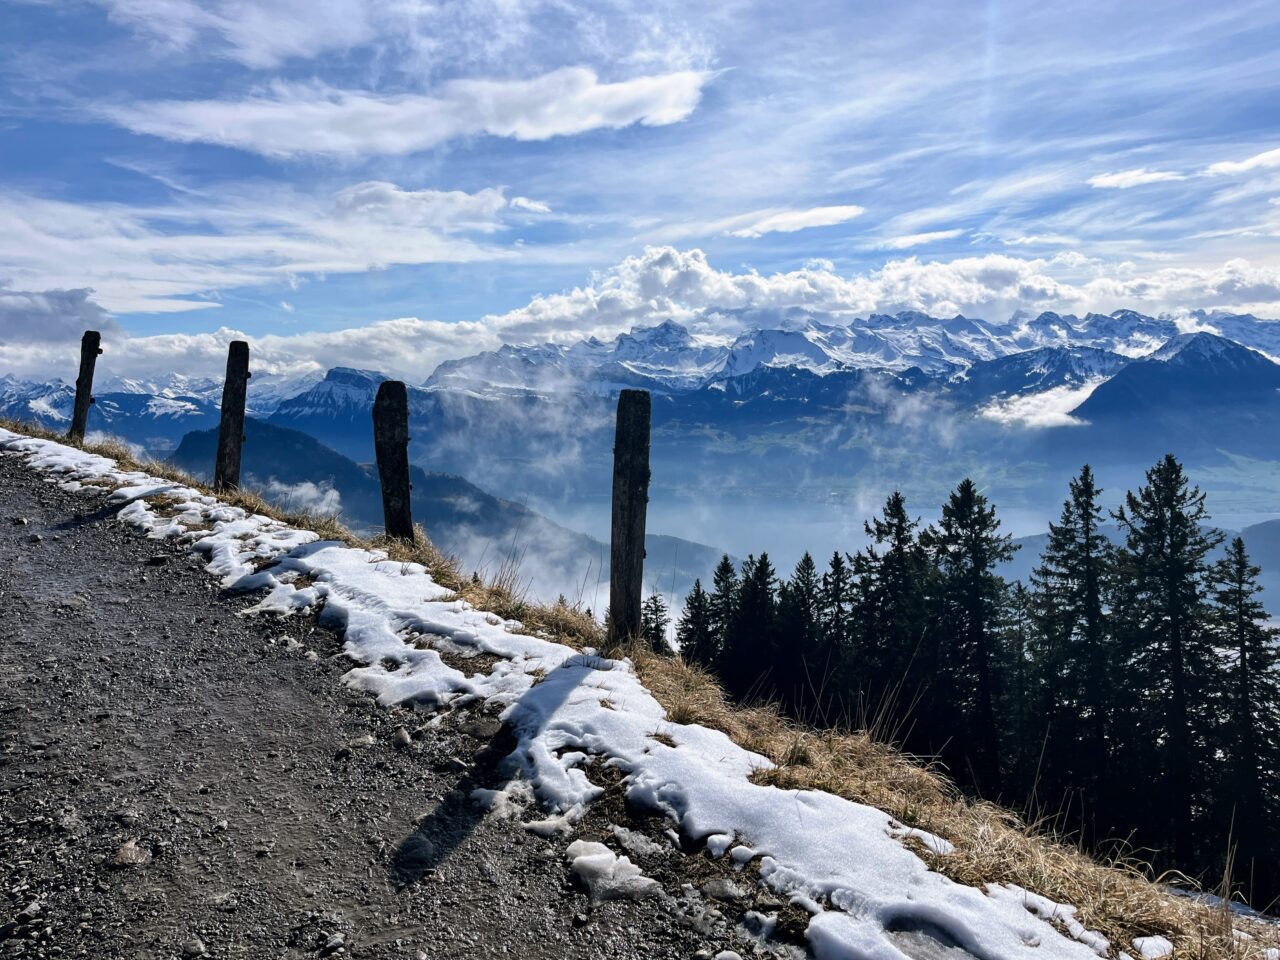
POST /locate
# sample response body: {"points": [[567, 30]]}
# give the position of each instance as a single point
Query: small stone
{"points": [[724, 890], [194, 948], [401, 738], [157, 560], [34, 538], [30, 912], [581, 919], [130, 855], [333, 944]]}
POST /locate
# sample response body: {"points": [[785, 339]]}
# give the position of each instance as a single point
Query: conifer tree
{"points": [[1250, 728], [966, 546], [750, 650], [801, 672], [722, 602], [892, 575], [836, 598], [1074, 656], [699, 642], [654, 621], [1172, 661]]}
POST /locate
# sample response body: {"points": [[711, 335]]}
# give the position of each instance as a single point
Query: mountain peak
{"points": [[1198, 346]]}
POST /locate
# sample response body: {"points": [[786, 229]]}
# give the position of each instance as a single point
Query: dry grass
{"points": [[992, 845]]}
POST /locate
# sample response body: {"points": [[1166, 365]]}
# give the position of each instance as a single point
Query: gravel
{"points": [[179, 781]]}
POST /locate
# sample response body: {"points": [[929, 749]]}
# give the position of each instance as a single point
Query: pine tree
{"points": [[654, 622], [1073, 656], [749, 663], [966, 546], [836, 603], [1250, 729], [696, 635], [1169, 644]]}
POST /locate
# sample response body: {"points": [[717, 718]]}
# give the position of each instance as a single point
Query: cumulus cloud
{"points": [[49, 316], [291, 119], [790, 221], [663, 282], [918, 239], [1125, 179], [1261, 161]]}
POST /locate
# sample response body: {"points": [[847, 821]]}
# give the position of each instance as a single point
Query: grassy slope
{"points": [[992, 844]]}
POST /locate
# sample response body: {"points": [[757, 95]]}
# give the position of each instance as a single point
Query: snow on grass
{"points": [[843, 861]]}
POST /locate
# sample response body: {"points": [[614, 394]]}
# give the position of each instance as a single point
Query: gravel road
{"points": [[178, 781]]}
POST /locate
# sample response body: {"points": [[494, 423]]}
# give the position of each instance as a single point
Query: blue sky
{"points": [[399, 182]]}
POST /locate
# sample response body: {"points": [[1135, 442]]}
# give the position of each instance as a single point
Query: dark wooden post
{"points": [[226, 471], [630, 504], [90, 348], [391, 444]]}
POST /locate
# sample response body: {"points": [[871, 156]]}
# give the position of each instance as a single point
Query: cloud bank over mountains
{"points": [[660, 283]]}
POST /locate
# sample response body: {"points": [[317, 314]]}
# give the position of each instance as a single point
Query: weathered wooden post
{"points": [[226, 471], [630, 505], [90, 348], [391, 444]]}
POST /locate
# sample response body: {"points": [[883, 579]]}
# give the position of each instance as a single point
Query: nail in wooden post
{"points": [[630, 504], [391, 444], [89, 350], [226, 471]]}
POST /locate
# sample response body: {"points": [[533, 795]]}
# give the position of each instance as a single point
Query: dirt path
{"points": [[176, 780]]}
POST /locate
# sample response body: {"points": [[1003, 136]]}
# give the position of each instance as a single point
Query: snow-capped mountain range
{"points": [[669, 358]]}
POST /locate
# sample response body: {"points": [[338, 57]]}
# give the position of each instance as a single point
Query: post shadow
{"points": [[457, 815]]}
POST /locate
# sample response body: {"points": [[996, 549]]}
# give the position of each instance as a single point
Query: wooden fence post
{"points": [[630, 505], [90, 348], [391, 444], [226, 471]]}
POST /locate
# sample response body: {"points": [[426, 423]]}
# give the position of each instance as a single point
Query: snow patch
{"points": [[608, 876]]}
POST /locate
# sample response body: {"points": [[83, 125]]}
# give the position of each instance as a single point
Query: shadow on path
{"points": [[456, 817]]}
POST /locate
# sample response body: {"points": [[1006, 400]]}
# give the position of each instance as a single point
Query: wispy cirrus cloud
{"points": [[757, 224], [1124, 179], [175, 256], [918, 239], [292, 119], [1268, 160]]}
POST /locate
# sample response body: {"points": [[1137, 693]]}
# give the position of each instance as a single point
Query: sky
{"points": [[391, 183]]}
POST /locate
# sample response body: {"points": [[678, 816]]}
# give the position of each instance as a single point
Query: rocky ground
{"points": [[178, 781]]}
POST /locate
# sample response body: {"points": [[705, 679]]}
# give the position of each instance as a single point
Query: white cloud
{"points": [[1261, 161], [663, 282], [319, 498], [790, 221], [1125, 179], [529, 206], [147, 259], [292, 119], [916, 239], [1049, 408]]}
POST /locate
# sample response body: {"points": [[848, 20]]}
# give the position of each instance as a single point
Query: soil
{"points": [[178, 781]]}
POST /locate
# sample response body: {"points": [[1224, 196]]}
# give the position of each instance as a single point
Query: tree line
{"points": [[1129, 692]]}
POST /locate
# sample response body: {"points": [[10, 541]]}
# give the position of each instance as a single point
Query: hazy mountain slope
{"points": [[484, 531]]}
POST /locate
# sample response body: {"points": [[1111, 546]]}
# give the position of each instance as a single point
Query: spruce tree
{"points": [[801, 672], [966, 546], [836, 601], [1250, 721], [1074, 656], [654, 621], [749, 661], [1169, 644], [892, 575], [722, 602], [699, 642]]}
